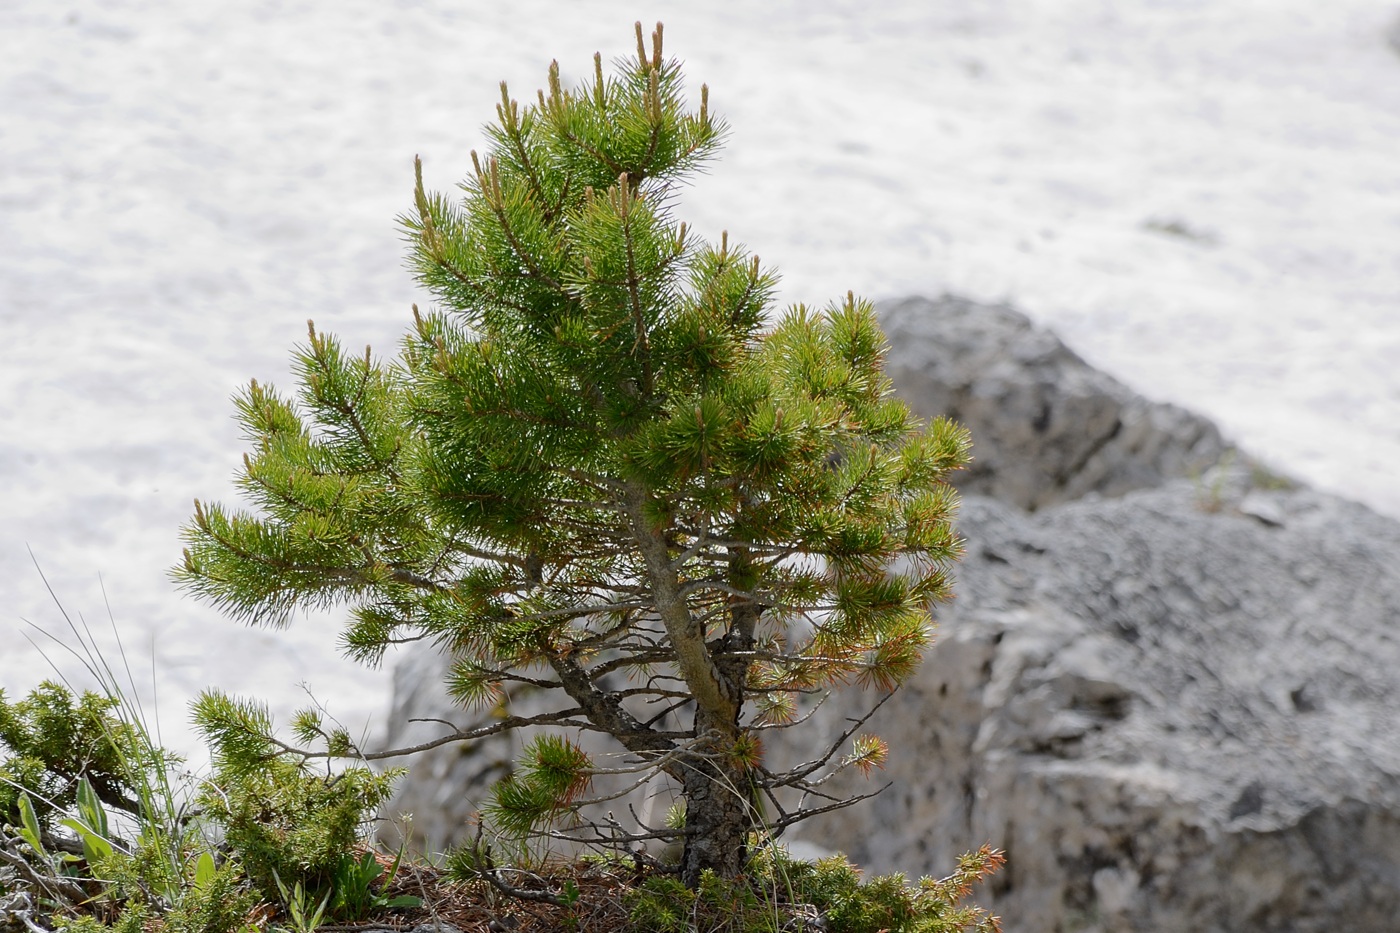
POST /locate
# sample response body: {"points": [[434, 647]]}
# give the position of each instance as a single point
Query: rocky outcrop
{"points": [[1166, 687], [1174, 711], [1046, 427]]}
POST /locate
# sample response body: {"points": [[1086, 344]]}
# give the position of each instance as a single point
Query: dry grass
{"points": [[477, 907]]}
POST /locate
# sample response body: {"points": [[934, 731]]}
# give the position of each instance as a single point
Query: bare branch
{"points": [[798, 774], [805, 813], [63, 889]]}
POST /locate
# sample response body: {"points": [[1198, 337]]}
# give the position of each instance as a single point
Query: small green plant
{"points": [[293, 828], [51, 740], [101, 805], [78, 867], [661, 904], [1211, 488], [29, 829], [1261, 476], [114, 835], [359, 883], [90, 825], [780, 894], [217, 900], [297, 902], [275, 820]]}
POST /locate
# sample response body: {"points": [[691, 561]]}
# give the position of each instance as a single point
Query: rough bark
{"points": [[717, 801]]}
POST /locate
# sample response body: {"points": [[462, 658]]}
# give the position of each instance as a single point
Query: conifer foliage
{"points": [[606, 468]]}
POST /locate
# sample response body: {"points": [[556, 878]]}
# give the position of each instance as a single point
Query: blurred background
{"points": [[1202, 198]]}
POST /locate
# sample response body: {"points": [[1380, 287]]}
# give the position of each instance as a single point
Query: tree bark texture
{"points": [[718, 804]]}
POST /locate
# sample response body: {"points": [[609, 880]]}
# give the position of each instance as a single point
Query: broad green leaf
{"points": [[30, 830], [203, 869], [95, 847], [90, 808]]}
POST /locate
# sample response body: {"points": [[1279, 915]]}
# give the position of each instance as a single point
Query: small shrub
{"points": [[660, 904], [107, 842], [289, 825], [51, 739], [219, 902], [276, 819], [781, 894]]}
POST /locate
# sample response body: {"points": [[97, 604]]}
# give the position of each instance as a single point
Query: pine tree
{"points": [[604, 468]]}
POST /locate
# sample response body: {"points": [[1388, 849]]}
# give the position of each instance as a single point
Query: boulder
{"points": [[1046, 427], [1173, 715]]}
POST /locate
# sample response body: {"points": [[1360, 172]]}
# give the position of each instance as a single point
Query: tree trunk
{"points": [[718, 797], [718, 806]]}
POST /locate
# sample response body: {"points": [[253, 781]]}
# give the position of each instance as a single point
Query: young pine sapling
{"points": [[604, 467]]}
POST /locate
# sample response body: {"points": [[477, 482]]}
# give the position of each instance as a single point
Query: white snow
{"points": [[1203, 198]]}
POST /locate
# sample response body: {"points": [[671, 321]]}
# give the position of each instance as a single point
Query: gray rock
{"points": [[1171, 717], [1046, 427], [432, 807]]}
